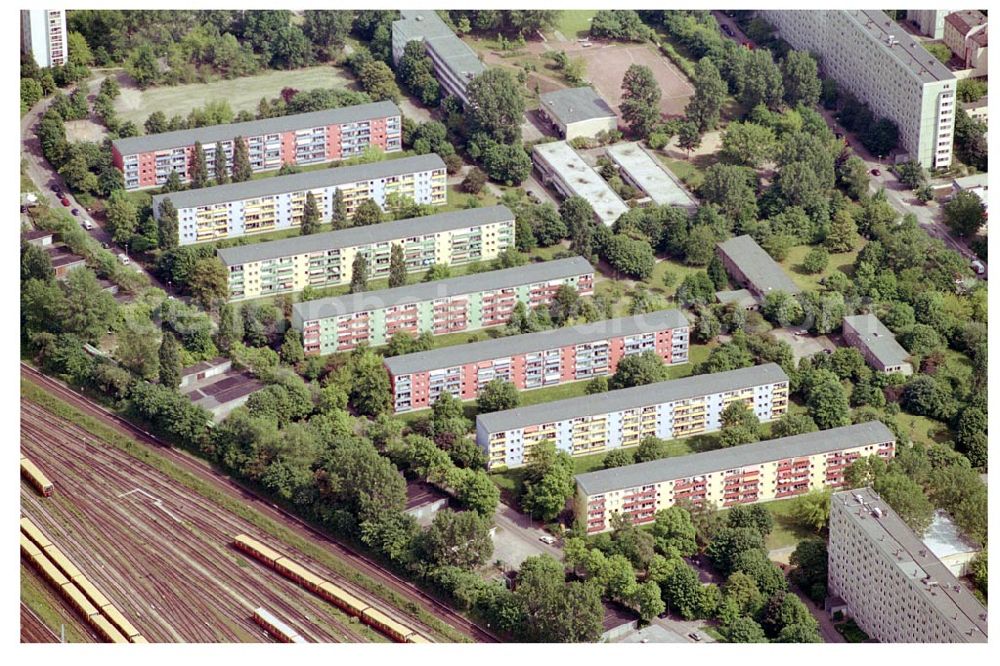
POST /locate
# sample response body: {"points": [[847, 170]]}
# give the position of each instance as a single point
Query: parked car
{"points": [[88, 225], [75, 212], [695, 637], [123, 258], [105, 246], [978, 267], [64, 201], [547, 539], [876, 172], [726, 29], [24, 209]]}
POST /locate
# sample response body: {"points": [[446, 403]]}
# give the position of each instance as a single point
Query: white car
{"points": [[88, 225], [547, 539], [123, 258]]}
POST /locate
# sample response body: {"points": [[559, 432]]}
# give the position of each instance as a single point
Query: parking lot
{"points": [[803, 344]]}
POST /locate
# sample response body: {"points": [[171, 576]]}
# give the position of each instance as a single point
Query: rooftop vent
{"points": [[877, 512]]}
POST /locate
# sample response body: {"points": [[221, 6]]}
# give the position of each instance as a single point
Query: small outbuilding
{"points": [[577, 112]]}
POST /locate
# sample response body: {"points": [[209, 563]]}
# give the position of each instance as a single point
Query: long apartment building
{"points": [[299, 139], [535, 360], [753, 269], [895, 588], [465, 303], [270, 204], [747, 474], [455, 63], [43, 35], [618, 419], [877, 344], [562, 167], [325, 259], [875, 60]]}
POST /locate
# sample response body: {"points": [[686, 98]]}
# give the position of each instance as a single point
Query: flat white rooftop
{"points": [[648, 174], [944, 538], [581, 179]]}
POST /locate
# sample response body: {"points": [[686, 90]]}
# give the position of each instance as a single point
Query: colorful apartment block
{"points": [[619, 419], [270, 204], [747, 474], [535, 360], [299, 139], [466, 303], [325, 260]]}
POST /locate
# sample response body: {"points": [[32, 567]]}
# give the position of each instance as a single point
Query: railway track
{"points": [[261, 504], [157, 554], [33, 630]]}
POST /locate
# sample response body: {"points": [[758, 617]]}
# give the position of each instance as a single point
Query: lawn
{"points": [[922, 429], [842, 261], [459, 200], [575, 23], [688, 173], [241, 94], [786, 531]]}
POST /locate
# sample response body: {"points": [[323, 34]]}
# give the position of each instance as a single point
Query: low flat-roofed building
{"points": [[205, 370], [326, 259], [577, 112], [464, 303], [877, 344], [63, 260], [454, 61], [423, 501], [561, 166], [619, 419], [753, 269], [641, 170], [978, 110], [895, 587], [219, 392], [38, 237], [535, 360], [747, 474], [946, 541], [741, 298]]}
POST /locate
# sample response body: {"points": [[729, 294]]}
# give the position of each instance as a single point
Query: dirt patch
{"points": [[607, 64], [85, 130]]}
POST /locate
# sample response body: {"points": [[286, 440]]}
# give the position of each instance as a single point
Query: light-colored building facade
{"points": [[455, 63], [895, 588], [747, 474], [299, 139], [623, 418], [877, 344], [325, 260], [577, 112], [930, 22], [44, 36], [465, 303], [875, 60], [753, 269], [967, 35], [978, 110], [640, 170], [561, 167], [271, 204], [535, 360]]}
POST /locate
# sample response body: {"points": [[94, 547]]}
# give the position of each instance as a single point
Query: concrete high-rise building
{"points": [[455, 63], [929, 21], [298, 139], [895, 588], [759, 472], [872, 58], [623, 418], [271, 204], [43, 35]]}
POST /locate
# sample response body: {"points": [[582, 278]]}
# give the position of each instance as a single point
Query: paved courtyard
{"points": [[804, 344]]}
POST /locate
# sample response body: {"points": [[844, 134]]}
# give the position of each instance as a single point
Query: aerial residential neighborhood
{"points": [[658, 326]]}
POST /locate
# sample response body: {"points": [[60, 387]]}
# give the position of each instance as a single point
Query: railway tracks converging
{"points": [[406, 589]]}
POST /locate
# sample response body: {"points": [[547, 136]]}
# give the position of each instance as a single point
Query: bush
{"points": [[816, 260]]}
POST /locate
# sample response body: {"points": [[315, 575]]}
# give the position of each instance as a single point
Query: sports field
{"points": [[242, 93], [606, 66]]}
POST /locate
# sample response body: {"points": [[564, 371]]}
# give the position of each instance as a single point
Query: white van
{"points": [[123, 258]]}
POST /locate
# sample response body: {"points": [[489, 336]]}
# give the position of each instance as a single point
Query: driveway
{"points": [[802, 343], [516, 538], [826, 628]]}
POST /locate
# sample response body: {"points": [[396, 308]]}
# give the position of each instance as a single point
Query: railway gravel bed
{"points": [[162, 555], [410, 592], [33, 630]]}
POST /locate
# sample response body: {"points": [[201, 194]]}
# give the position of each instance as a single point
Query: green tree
{"points": [[143, 66], [631, 256], [596, 385], [843, 234], [87, 310], [397, 266], [907, 499], [122, 217], [495, 106], [369, 387], [758, 79], [170, 361], [748, 144], [359, 273], [618, 458], [744, 630], [221, 165], [816, 260], [338, 210], [310, 216], [198, 167], [793, 424], [209, 282], [809, 560], [377, 79], [291, 349], [460, 539], [367, 213], [801, 79], [813, 510], [965, 214], [827, 401], [242, 170], [640, 103], [688, 137], [673, 531], [497, 395], [733, 189], [710, 93], [637, 370]]}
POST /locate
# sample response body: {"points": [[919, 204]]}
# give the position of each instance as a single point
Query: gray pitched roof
{"points": [[757, 265], [300, 181], [425, 291], [215, 133], [879, 339], [426, 25], [915, 561], [682, 467], [520, 344], [637, 396], [573, 105], [354, 236], [739, 297]]}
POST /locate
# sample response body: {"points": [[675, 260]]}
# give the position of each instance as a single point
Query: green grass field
{"points": [[687, 172], [575, 23], [842, 261], [35, 597], [241, 94]]}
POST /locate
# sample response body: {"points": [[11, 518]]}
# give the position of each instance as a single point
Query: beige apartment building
{"points": [[875, 60], [894, 587]]}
